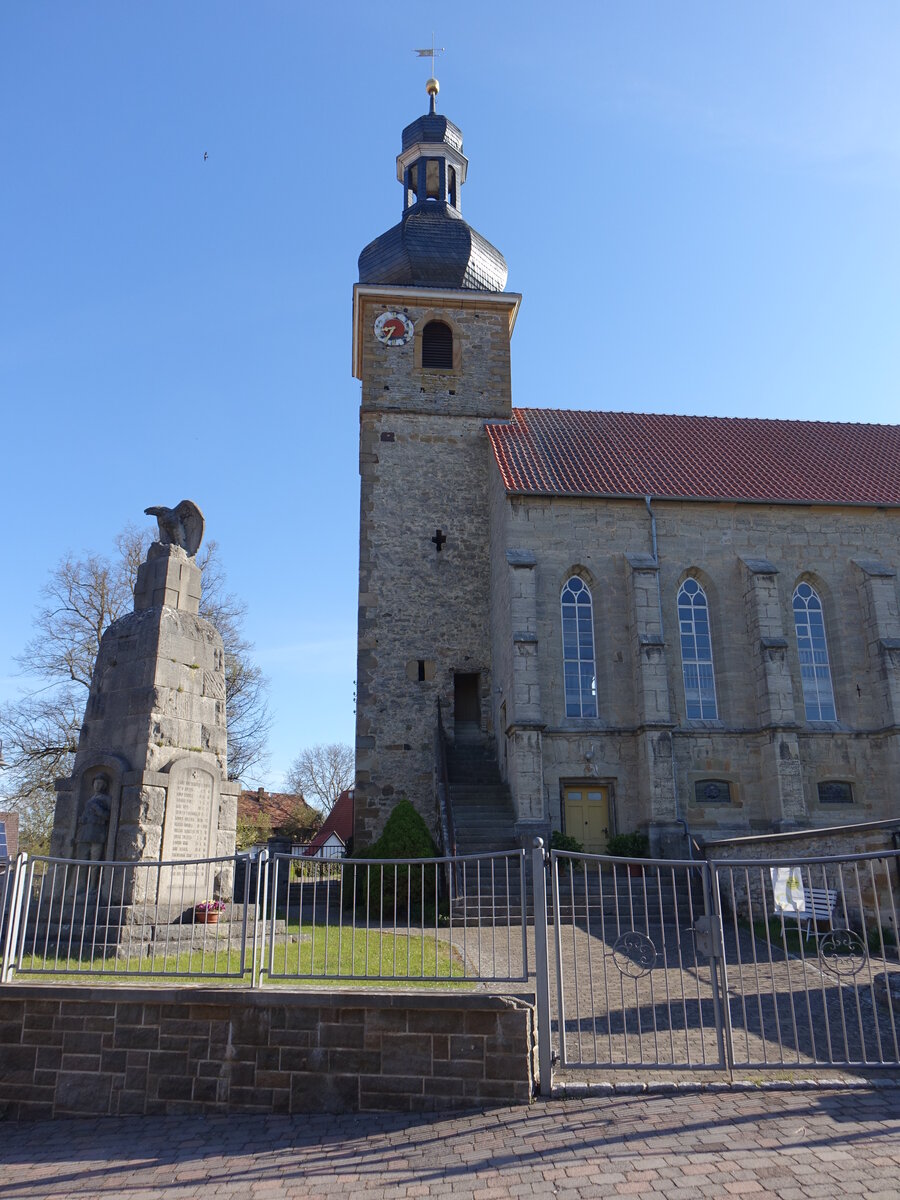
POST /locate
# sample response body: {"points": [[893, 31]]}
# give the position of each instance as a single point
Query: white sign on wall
{"points": [[787, 884]]}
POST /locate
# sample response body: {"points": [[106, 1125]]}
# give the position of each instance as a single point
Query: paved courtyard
{"points": [[789, 1144]]}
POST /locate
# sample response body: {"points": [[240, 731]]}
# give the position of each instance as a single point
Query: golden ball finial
{"points": [[432, 87]]}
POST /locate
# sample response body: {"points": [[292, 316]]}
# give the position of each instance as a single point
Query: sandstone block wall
{"points": [[103, 1051], [424, 463], [868, 889], [761, 742]]}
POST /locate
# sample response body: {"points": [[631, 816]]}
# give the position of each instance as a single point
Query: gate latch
{"points": [[706, 937]]}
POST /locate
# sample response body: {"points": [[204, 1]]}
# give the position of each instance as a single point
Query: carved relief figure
{"points": [[93, 824]]}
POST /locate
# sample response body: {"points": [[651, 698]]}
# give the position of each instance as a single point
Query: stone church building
{"points": [[666, 623]]}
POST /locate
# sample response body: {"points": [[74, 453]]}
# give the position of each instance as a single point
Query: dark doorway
{"points": [[465, 699]]}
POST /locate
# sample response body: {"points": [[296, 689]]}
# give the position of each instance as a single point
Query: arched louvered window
{"points": [[578, 649], [815, 671], [437, 346], [696, 653]]}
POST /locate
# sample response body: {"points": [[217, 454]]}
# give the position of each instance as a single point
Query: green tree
{"points": [[395, 888]]}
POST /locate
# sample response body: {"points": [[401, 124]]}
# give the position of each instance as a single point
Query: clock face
{"points": [[393, 328]]}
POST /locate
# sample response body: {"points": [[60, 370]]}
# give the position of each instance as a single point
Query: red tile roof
{"points": [[558, 452], [339, 821], [282, 808]]}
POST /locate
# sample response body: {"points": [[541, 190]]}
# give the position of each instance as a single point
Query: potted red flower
{"points": [[208, 912]]}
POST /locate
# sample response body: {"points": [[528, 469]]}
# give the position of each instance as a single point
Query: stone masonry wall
{"points": [[501, 624], [870, 837], [98, 1051], [424, 462], [761, 742], [868, 889]]}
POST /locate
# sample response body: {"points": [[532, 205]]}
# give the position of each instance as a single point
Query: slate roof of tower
{"points": [[432, 127], [433, 247], [557, 452]]}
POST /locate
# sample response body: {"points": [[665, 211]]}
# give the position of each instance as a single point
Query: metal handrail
{"points": [[444, 800]]}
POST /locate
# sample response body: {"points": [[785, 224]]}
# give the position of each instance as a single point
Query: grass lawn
{"points": [[361, 954], [306, 956], [789, 938]]}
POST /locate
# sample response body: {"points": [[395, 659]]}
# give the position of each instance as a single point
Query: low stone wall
{"points": [[868, 892], [868, 837], [88, 1051]]}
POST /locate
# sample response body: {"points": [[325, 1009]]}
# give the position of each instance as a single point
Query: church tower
{"points": [[431, 342]]}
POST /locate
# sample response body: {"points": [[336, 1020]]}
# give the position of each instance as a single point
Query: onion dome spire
{"points": [[433, 246]]}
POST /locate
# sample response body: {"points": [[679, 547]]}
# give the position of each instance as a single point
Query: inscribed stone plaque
{"points": [[189, 832]]}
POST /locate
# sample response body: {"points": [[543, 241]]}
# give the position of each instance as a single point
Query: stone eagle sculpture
{"points": [[180, 526]]}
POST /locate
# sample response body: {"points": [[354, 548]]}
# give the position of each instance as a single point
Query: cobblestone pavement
{"points": [[622, 1009], [793, 1145], [783, 1010]]}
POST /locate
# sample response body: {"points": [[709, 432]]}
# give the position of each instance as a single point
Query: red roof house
{"points": [[284, 812], [337, 828]]}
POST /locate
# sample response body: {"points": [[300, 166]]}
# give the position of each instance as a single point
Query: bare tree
{"points": [[321, 773], [246, 707], [82, 597]]}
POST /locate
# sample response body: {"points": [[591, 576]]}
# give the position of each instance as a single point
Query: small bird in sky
{"points": [[205, 155]]}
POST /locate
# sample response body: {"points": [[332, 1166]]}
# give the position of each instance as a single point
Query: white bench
{"points": [[820, 905]]}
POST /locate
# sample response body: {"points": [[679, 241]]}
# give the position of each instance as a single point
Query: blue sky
{"points": [[698, 202]]}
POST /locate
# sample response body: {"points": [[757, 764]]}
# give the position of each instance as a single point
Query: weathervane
{"points": [[432, 87]]}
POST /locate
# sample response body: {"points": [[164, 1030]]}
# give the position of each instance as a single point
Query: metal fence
{"points": [[79, 917], [807, 951], [738, 965], [304, 849], [653, 964], [633, 984], [7, 876], [443, 920], [438, 921]]}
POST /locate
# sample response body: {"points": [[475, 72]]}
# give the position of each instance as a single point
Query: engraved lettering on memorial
{"points": [[191, 812]]}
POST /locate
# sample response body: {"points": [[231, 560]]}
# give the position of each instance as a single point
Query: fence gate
{"points": [[636, 977], [687, 965], [808, 952]]}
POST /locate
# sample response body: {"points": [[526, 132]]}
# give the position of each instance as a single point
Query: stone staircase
{"points": [[617, 899], [482, 805], [485, 822]]}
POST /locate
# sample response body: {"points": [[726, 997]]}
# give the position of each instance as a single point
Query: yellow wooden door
{"points": [[587, 816]]}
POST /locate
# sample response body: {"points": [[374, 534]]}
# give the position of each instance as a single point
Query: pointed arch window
{"points": [[578, 649], [815, 669], [696, 653]]}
